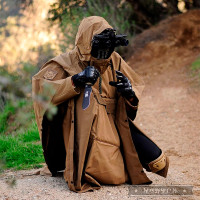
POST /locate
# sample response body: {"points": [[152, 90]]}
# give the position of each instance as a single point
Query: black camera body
{"points": [[103, 44]]}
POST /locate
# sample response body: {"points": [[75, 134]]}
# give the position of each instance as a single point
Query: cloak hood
{"points": [[88, 27]]}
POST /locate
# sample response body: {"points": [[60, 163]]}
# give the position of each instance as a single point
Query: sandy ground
{"points": [[169, 113]]}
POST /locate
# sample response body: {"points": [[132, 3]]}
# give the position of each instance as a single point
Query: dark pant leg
{"points": [[146, 149]]}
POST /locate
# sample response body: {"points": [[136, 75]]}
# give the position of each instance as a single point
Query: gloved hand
{"points": [[88, 76], [123, 86]]}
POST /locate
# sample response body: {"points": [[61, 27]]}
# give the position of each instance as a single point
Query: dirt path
{"points": [[169, 112]]}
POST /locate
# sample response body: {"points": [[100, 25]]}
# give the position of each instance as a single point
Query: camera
{"points": [[109, 38], [103, 44]]}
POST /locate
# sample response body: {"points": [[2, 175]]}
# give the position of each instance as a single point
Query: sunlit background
{"points": [[25, 33], [34, 31], [27, 36]]}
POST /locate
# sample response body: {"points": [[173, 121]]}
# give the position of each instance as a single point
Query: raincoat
{"points": [[92, 146]]}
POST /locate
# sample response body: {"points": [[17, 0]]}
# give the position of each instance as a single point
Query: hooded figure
{"points": [[101, 144]]}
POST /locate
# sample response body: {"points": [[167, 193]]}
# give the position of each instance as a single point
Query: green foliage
{"points": [[196, 64], [15, 115], [196, 67], [115, 12], [15, 88], [2, 165], [70, 14], [64, 7], [30, 135], [21, 151], [8, 110], [20, 146], [17, 84]]}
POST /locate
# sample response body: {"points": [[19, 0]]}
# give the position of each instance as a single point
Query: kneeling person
{"points": [[93, 137]]}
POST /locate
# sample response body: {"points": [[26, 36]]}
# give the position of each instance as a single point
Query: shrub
{"points": [[70, 14]]}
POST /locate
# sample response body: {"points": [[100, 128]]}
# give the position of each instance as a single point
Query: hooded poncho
{"points": [[92, 146]]}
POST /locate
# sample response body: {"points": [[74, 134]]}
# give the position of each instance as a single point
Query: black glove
{"points": [[88, 76], [123, 86]]}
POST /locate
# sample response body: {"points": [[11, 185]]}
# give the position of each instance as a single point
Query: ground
{"points": [[168, 113]]}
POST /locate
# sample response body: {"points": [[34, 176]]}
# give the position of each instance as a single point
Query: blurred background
{"points": [[33, 31]]}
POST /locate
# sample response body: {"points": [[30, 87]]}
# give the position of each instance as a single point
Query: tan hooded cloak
{"points": [[94, 146]]}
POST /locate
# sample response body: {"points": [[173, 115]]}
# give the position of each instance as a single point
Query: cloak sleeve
{"points": [[51, 84], [54, 82], [136, 81], [137, 85]]}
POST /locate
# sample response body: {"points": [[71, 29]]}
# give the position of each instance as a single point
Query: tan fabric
{"points": [[97, 141], [158, 164], [45, 171]]}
